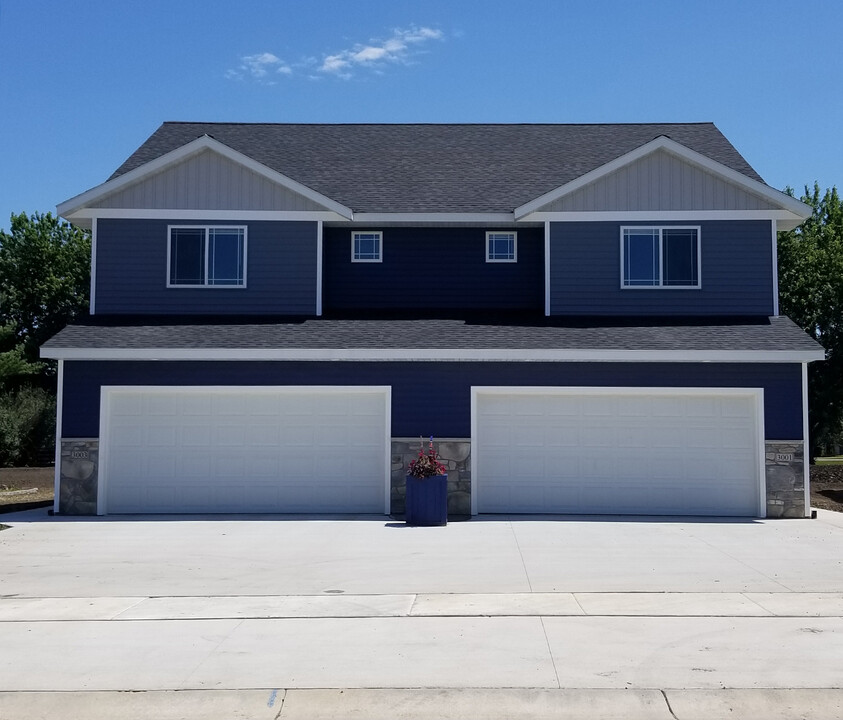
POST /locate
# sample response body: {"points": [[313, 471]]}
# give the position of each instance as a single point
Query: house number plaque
{"points": [[78, 454], [784, 457]]}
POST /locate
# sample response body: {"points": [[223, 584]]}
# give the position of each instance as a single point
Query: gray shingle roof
{"points": [[442, 168], [762, 334]]}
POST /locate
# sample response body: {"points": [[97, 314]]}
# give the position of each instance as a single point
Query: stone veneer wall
{"points": [[78, 480], [454, 453], [785, 472]]}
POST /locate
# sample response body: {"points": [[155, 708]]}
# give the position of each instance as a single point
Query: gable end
{"points": [[659, 181], [207, 181]]}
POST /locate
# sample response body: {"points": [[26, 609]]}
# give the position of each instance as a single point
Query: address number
{"points": [[784, 457], [79, 454]]}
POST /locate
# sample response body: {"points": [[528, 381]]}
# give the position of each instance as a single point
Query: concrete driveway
{"points": [[522, 617]]}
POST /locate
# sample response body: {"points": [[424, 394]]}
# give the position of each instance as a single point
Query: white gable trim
{"points": [[69, 208], [665, 143]]}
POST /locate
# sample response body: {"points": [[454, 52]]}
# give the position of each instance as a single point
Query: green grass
{"points": [[830, 460]]}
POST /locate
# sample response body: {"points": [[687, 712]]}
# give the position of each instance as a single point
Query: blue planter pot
{"points": [[427, 500]]}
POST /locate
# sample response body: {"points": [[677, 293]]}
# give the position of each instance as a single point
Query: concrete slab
{"points": [[32, 609], [670, 604], [667, 652], [221, 555], [382, 653], [800, 604], [107, 655], [291, 606], [160, 705], [764, 704], [489, 704], [290, 653], [467, 605]]}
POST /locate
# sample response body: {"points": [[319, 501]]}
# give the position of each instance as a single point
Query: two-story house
{"points": [[584, 316]]}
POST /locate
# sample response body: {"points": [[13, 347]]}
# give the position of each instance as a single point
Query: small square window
{"points": [[366, 246], [501, 247]]}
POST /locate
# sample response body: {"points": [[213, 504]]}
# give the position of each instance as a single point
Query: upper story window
{"points": [[366, 247], [501, 247], [660, 257], [205, 256]]}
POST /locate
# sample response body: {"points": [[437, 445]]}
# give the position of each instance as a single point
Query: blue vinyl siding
{"points": [[132, 271], [433, 269], [736, 272], [434, 398]]}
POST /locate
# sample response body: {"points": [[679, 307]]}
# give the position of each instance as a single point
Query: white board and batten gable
{"points": [[206, 179], [665, 178]]}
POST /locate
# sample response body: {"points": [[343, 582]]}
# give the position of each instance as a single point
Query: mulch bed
{"points": [[827, 487], [26, 488]]}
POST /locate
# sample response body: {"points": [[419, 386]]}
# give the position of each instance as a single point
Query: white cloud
{"points": [[258, 67], [399, 47]]}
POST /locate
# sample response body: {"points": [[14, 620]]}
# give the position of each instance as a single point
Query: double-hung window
{"points": [[206, 256], [660, 257], [501, 247], [366, 247]]}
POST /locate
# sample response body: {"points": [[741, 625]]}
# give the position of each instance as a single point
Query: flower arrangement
{"points": [[426, 465]]}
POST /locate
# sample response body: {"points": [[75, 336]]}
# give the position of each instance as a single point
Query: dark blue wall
{"points": [[435, 269], [132, 271], [433, 397], [736, 272]]}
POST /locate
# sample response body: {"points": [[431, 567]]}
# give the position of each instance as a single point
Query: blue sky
{"points": [[82, 84]]}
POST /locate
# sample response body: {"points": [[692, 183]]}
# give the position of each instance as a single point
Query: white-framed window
{"points": [[660, 257], [501, 247], [206, 256], [366, 246]]}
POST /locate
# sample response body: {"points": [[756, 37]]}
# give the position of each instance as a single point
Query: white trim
{"points": [[806, 441], [107, 391], [436, 355], [207, 229], [757, 394], [92, 302], [784, 220], [547, 268], [57, 457], [105, 424], [775, 268], [664, 143], [387, 452], [378, 234], [376, 218], [69, 207], [661, 229], [473, 449], [319, 268], [200, 215], [514, 258]]}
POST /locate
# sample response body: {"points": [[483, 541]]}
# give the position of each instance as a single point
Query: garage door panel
{"points": [[670, 453], [245, 450]]}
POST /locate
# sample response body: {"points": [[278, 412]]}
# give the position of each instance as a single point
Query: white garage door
{"points": [[244, 450], [637, 451]]}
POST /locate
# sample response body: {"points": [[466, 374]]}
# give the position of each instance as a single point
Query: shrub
{"points": [[27, 426]]}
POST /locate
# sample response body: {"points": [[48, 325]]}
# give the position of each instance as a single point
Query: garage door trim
{"points": [[109, 391], [755, 394]]}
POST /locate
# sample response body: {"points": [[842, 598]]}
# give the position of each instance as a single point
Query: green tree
{"points": [[44, 281], [811, 294], [45, 273]]}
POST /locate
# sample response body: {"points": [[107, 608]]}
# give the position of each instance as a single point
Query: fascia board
{"points": [[692, 156], [68, 207], [435, 355]]}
